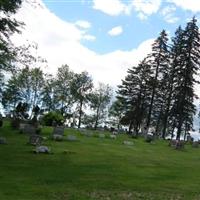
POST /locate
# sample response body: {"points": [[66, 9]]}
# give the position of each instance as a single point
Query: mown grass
{"points": [[96, 169]]}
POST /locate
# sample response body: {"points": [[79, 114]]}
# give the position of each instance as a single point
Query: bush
{"points": [[52, 119]]}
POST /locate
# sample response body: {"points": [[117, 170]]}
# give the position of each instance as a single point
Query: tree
{"points": [[81, 87], [63, 89], [159, 61], [183, 108], [8, 26], [175, 60], [135, 95], [117, 111], [48, 94], [25, 86], [99, 100]]}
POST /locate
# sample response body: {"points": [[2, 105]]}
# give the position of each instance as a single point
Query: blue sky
{"points": [[103, 37], [136, 29]]}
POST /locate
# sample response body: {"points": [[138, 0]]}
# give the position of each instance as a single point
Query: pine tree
{"points": [[135, 91], [175, 59], [185, 71], [159, 61]]}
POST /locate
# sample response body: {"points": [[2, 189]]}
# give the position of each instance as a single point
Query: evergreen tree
{"points": [[159, 61], [185, 71], [134, 92], [175, 60]]}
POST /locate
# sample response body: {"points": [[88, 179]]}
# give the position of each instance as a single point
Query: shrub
{"points": [[52, 119]]}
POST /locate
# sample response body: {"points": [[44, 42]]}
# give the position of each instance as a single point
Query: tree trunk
{"points": [[97, 119], [152, 97], [80, 114]]}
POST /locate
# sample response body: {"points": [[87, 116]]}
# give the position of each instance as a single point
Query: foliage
{"points": [[52, 119], [24, 86], [99, 100], [81, 87]]}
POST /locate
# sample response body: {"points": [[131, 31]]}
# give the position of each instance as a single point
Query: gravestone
{"points": [[129, 143], [3, 140], [57, 137], [177, 144], [149, 138], [58, 130], [21, 127], [113, 136], [28, 129], [35, 140], [195, 144], [71, 138], [42, 149], [190, 139], [88, 134]]}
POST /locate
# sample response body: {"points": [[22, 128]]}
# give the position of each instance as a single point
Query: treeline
{"points": [[67, 93], [158, 93]]}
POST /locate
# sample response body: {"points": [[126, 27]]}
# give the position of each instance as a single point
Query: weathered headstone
{"points": [[29, 129], [149, 138], [42, 149], [57, 137], [3, 140], [71, 138], [35, 140], [129, 143], [58, 131], [195, 144], [113, 136], [88, 134], [177, 144], [190, 139]]}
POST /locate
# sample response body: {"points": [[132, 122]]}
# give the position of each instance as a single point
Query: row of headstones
{"points": [[100, 135], [179, 144]]}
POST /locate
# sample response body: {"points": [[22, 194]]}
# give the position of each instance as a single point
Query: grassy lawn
{"points": [[97, 168]]}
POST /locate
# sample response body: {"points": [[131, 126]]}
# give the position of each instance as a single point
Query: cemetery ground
{"points": [[94, 168]]}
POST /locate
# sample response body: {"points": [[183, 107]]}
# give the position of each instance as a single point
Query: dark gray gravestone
{"points": [[28, 129], [71, 138], [35, 140], [3, 140], [58, 131], [177, 144], [195, 144]]}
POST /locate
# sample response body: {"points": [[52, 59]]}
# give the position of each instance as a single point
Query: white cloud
{"points": [[168, 14], [111, 7], [89, 37], [146, 7], [192, 5], [83, 24], [115, 31], [59, 42]]}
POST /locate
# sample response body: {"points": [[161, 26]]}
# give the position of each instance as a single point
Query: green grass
{"points": [[97, 169]]}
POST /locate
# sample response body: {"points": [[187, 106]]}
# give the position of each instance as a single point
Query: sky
{"points": [[103, 37]]}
